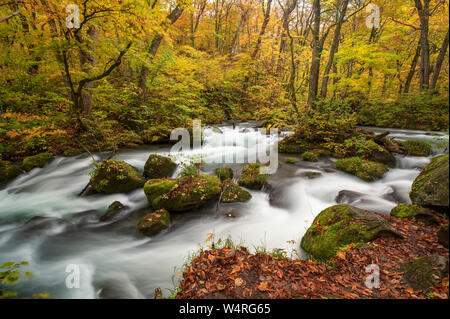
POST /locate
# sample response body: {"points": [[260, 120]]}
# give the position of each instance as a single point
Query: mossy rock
{"points": [[251, 177], [425, 272], [341, 225], [112, 176], [414, 212], [430, 188], [153, 223], [293, 144], [113, 209], [232, 193], [364, 169], [443, 235], [377, 153], [158, 166], [8, 171], [182, 194], [224, 173], [417, 148], [39, 160], [310, 156], [290, 160]]}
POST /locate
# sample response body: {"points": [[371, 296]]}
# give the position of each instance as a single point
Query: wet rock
{"points": [[278, 195], [366, 170], [39, 160], [216, 129], [158, 166], [425, 272], [232, 193], [177, 195], [224, 173], [417, 148], [290, 160], [414, 212], [115, 177], [112, 211], [348, 197], [153, 223], [443, 235], [118, 286], [8, 171], [430, 188], [251, 177], [341, 225]]}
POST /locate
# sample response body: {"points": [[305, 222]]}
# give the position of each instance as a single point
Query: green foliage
{"points": [[417, 147]]}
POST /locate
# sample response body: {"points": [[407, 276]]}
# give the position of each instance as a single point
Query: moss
{"points": [[366, 170], [114, 207], [112, 176], [181, 194], [417, 148], [251, 177], [291, 160], [293, 144], [413, 212], [158, 166], [425, 272], [341, 225], [224, 173], [9, 171], [232, 193], [310, 156], [39, 160], [153, 223]]}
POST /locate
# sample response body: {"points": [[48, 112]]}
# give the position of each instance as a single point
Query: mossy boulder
{"points": [[379, 154], [443, 235], [112, 176], [8, 171], [425, 272], [417, 148], [182, 194], [232, 193], [251, 177], [158, 166], [310, 156], [414, 212], [224, 173], [364, 169], [112, 210], [39, 160], [341, 225], [153, 223], [290, 160], [430, 188], [293, 144]]}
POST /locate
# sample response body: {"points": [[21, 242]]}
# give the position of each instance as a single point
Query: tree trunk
{"points": [[87, 61], [334, 48], [263, 28], [424, 16], [285, 23], [315, 62], [412, 69], [439, 61]]}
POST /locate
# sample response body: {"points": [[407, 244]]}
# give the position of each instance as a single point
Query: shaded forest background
{"points": [[136, 69]]}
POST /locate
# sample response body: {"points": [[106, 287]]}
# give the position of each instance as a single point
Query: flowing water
{"points": [[44, 222]]}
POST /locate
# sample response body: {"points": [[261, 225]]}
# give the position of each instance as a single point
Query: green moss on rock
{"points": [[430, 188], [291, 160], [251, 177], [224, 173], [413, 212], [181, 194], [232, 193], [310, 156], [341, 225], [293, 144], [153, 223], [39, 160], [158, 166], [112, 176], [364, 169], [425, 272], [9, 171], [112, 210], [417, 148]]}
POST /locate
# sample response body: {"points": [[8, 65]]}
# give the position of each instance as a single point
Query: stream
{"points": [[44, 222]]}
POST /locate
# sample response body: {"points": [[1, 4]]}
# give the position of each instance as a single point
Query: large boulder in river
{"points": [[341, 225], [153, 223], [425, 272], [232, 193], [417, 148], [414, 212], [158, 166], [430, 188], [39, 160], [178, 195], [251, 177], [8, 171], [377, 153], [366, 170], [112, 176]]}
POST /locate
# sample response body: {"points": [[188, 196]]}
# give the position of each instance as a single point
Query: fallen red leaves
{"points": [[230, 273]]}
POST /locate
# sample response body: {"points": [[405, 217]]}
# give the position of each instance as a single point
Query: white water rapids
{"points": [[43, 221]]}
